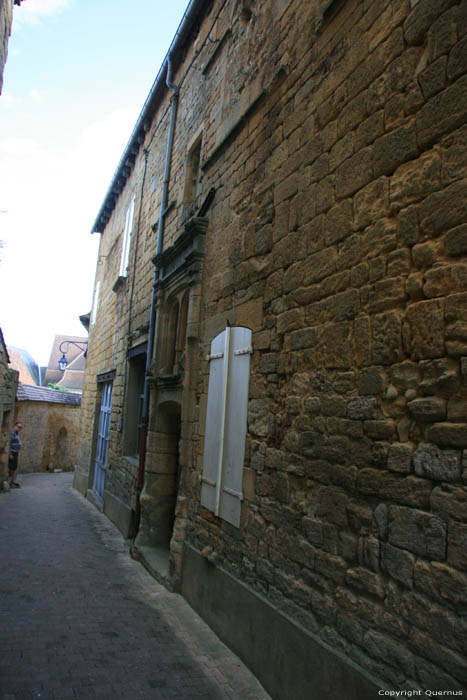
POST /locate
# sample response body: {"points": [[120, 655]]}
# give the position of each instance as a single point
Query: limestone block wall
{"points": [[339, 233], [8, 385], [49, 436], [334, 135]]}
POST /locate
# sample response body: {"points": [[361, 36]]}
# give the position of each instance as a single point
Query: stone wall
{"points": [[334, 135], [49, 436], [8, 384]]}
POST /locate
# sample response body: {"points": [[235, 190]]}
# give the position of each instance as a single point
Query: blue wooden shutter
{"points": [[226, 422]]}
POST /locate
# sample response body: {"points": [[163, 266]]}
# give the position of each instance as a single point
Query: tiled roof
{"points": [[27, 392]]}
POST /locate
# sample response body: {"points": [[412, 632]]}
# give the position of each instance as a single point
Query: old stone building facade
{"points": [[285, 237], [51, 424], [8, 385]]}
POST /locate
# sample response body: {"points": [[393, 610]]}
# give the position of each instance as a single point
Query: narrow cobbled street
{"points": [[80, 619]]}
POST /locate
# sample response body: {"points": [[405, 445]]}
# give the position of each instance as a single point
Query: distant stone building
{"points": [[24, 363], [285, 239], [6, 19], [8, 385], [51, 421]]}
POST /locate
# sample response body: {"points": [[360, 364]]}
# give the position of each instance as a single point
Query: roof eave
{"points": [[138, 134]]}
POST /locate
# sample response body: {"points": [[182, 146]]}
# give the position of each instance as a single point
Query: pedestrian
{"points": [[15, 446]]}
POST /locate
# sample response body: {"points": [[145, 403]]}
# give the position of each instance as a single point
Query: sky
{"points": [[77, 75]]}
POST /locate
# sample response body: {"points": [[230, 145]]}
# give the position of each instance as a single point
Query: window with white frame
{"points": [[226, 423], [95, 303], [127, 240]]}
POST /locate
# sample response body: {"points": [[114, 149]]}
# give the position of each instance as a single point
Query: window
{"points": [[175, 333], [192, 173], [134, 401], [95, 303], [226, 421], [126, 240]]}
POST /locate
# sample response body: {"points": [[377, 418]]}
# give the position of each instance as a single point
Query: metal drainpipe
{"points": [[152, 314]]}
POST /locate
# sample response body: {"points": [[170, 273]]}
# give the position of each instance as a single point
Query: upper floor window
{"points": [[127, 240], [95, 303], [192, 173], [174, 340]]}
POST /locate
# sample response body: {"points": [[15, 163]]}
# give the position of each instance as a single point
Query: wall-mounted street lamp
{"points": [[63, 362]]}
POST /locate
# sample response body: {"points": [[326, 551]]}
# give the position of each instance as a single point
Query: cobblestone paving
{"points": [[80, 619]]}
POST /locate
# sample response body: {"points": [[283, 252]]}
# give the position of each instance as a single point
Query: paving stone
{"points": [[83, 620]]}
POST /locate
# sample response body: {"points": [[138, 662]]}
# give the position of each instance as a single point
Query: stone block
{"points": [[426, 254], [303, 338], [454, 156], [418, 532], [354, 173], [415, 180], [371, 203], [330, 505], [409, 490], [445, 112], [448, 434], [434, 463], [433, 79], [428, 646], [393, 149], [386, 293], [399, 264], [426, 324], [450, 501], [456, 327], [445, 279], [290, 320], [422, 17], [325, 194], [372, 381], [444, 210], [457, 545], [408, 229], [442, 35], [331, 566], [345, 306], [319, 266], [339, 222], [427, 410], [369, 553], [341, 150], [366, 581], [457, 64], [399, 564], [386, 338], [440, 581], [369, 130], [455, 241], [400, 458], [362, 408]]}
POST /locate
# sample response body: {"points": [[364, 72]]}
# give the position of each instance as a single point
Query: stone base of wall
{"points": [[291, 663], [80, 482], [120, 514]]}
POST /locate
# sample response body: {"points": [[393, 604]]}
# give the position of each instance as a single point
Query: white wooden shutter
{"points": [[226, 422]]}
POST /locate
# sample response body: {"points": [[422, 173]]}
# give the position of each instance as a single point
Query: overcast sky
{"points": [[77, 75]]}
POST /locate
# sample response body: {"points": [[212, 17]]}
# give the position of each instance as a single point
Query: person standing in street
{"points": [[15, 446]]}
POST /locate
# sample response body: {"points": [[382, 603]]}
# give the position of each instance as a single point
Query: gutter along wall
{"points": [[333, 135]]}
